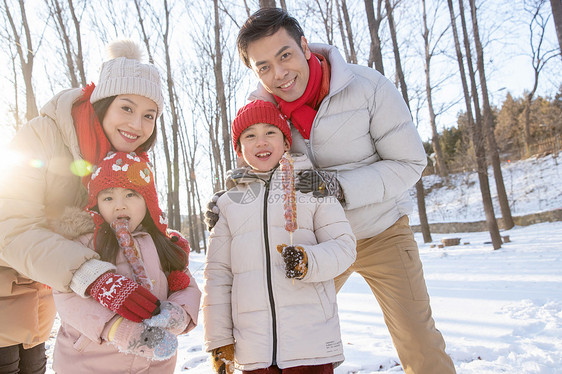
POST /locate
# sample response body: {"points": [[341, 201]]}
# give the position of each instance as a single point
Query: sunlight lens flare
{"points": [[81, 168], [37, 164], [10, 159]]}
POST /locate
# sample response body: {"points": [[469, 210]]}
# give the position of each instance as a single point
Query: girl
{"points": [[131, 232], [75, 129]]}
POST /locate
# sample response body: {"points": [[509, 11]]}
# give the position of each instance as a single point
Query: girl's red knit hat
{"points": [[259, 111], [127, 170]]}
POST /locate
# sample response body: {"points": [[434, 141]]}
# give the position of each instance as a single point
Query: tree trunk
{"points": [[420, 197], [342, 32], [476, 141], [56, 13], [404, 89], [375, 55], [221, 98], [26, 65], [174, 216], [352, 53], [267, 4], [79, 54], [441, 166], [170, 203], [556, 6], [489, 127], [327, 20]]}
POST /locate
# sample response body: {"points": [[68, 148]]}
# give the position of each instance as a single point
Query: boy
{"points": [[273, 304]]}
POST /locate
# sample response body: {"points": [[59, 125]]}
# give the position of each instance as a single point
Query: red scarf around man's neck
{"points": [[302, 111]]}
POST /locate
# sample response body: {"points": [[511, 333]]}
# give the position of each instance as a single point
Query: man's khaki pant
{"points": [[390, 263]]}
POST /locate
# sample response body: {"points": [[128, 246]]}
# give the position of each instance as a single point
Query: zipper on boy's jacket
{"points": [[268, 271]]}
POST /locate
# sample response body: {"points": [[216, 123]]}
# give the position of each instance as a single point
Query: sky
{"points": [[500, 311]]}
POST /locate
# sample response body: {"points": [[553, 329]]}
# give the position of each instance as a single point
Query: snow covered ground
{"points": [[499, 311]]}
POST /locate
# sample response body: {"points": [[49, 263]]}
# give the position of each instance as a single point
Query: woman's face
{"points": [[129, 121]]}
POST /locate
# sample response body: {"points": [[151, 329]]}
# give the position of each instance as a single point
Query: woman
{"points": [[74, 130]]}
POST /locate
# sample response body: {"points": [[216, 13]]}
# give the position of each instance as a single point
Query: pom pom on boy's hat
{"points": [[126, 170], [124, 73], [259, 111]]}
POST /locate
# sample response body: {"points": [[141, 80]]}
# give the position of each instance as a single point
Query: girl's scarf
{"points": [[302, 111]]}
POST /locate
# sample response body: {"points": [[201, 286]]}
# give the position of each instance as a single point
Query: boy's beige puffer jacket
{"points": [[247, 298]]}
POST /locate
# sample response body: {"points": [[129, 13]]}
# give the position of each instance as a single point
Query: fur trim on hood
{"points": [[73, 223]]}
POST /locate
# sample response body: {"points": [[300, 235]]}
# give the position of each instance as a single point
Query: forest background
{"points": [[481, 77]]}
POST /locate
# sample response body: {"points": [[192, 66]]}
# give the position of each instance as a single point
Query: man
{"points": [[357, 129]]}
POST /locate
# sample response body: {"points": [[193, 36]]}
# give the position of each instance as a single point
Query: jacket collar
{"points": [[59, 110], [246, 175]]}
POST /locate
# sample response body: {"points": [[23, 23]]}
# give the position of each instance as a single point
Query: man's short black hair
{"points": [[266, 22]]}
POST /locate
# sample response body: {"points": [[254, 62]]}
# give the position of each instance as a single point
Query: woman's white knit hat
{"points": [[124, 73]]}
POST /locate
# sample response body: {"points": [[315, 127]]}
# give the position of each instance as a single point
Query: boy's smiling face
{"points": [[262, 145]]}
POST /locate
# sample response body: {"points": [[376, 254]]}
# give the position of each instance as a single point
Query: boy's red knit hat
{"points": [[127, 170], [259, 111]]}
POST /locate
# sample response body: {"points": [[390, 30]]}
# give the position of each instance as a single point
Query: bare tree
{"points": [[488, 125], [216, 55], [352, 54], [26, 55], [539, 58], [204, 98], [342, 32], [429, 52], [420, 193], [73, 59], [174, 217], [374, 23], [476, 141], [326, 15], [79, 53]]}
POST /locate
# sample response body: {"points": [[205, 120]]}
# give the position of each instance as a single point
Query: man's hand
{"points": [[321, 183], [212, 213], [123, 296]]}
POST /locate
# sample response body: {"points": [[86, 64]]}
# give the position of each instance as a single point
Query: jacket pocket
{"points": [[81, 343], [411, 262], [323, 295]]}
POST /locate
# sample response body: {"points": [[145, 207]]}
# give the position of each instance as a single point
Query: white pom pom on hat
{"points": [[125, 73], [124, 48]]}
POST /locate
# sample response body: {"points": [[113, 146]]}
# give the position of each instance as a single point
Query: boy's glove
{"points": [[321, 183], [150, 342], [212, 213], [123, 296], [223, 359], [172, 317], [296, 260]]}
